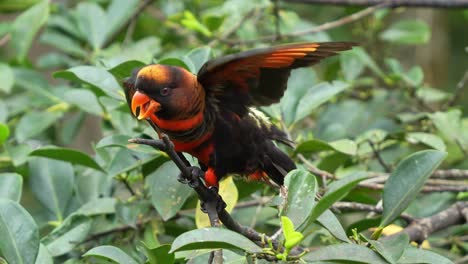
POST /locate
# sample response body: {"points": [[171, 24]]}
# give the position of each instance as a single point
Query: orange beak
{"points": [[147, 105]]}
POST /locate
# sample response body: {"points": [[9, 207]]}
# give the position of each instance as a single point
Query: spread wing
{"points": [[259, 77]]}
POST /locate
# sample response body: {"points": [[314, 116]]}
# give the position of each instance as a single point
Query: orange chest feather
{"points": [[178, 125]]}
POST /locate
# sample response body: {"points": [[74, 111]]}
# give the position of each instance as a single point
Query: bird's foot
{"points": [[193, 181], [216, 201]]}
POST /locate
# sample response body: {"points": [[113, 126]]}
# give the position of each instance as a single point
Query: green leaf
{"points": [[198, 57], [213, 238], [336, 191], [406, 180], [117, 140], [52, 183], [391, 248], [94, 76], [91, 18], [19, 154], [167, 194], [68, 235], [298, 85], [450, 126], [4, 133], [159, 255], [302, 187], [11, 185], [69, 155], [7, 78], [118, 14], [124, 69], [329, 221], [417, 255], [292, 238], [316, 96], [63, 42], [427, 139], [414, 76], [19, 233], [345, 252], [351, 65], [345, 146], [355, 58], [33, 123], [25, 28], [191, 22], [83, 99], [110, 253], [407, 32], [44, 257]]}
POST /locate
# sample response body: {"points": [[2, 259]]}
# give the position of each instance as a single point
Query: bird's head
{"points": [[169, 92]]}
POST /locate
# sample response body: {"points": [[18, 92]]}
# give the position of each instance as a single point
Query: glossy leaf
{"points": [[316, 96], [25, 28], [83, 99], [406, 180], [302, 187], [345, 252], [159, 255], [68, 155], [407, 32], [68, 235], [11, 186], [19, 233], [330, 222], [52, 183], [213, 238], [97, 77], [345, 146], [336, 191], [44, 257], [391, 248], [227, 190], [427, 139], [416, 255], [110, 253], [33, 123], [4, 133], [6, 78], [167, 193]]}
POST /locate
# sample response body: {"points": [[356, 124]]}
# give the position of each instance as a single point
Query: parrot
{"points": [[212, 116]]}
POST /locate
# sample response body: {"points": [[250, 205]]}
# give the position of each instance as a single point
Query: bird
{"points": [[212, 116]]}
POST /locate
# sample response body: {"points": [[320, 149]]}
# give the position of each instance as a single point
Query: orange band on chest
{"points": [[178, 125]]}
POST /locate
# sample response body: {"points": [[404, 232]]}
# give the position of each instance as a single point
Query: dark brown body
{"points": [[208, 115]]}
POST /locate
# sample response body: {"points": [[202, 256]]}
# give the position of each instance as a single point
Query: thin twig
{"points": [[458, 90], [425, 189], [392, 3], [233, 29], [346, 206], [326, 26], [277, 19], [379, 157], [450, 174]]}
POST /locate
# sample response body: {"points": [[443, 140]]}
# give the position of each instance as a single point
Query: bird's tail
{"points": [[276, 163]]}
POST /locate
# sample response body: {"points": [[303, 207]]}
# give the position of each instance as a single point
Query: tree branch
{"points": [[352, 206], [420, 229], [208, 197], [391, 3], [326, 26]]}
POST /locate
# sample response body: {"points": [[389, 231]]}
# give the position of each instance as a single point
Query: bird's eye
{"points": [[164, 91]]}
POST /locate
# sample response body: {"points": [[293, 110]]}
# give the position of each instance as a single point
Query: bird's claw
{"points": [[193, 180], [220, 204]]}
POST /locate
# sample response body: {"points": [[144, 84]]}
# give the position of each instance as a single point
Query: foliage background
{"points": [[71, 183]]}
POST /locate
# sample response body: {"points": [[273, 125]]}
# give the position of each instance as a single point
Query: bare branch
{"points": [[326, 26], [391, 3], [346, 206], [420, 229]]}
